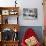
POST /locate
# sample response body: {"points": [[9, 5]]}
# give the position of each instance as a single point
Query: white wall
{"points": [[32, 4], [27, 4], [7, 3]]}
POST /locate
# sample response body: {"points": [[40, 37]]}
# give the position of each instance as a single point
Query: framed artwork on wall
{"points": [[5, 12], [30, 13]]}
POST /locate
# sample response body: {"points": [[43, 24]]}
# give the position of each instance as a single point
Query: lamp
{"points": [[15, 30], [15, 3]]}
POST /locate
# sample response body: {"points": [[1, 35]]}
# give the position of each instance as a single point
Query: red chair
{"points": [[29, 33]]}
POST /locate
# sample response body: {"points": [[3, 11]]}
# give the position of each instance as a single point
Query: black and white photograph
{"points": [[30, 13]]}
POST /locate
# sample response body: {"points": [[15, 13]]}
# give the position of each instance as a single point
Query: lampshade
{"points": [[15, 30]]}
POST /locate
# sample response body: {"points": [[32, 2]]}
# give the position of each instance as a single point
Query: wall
{"points": [[32, 4], [27, 4], [44, 21], [44, 12], [7, 3]]}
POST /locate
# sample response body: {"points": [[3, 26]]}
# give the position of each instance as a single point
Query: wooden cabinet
{"points": [[8, 15], [9, 23], [0, 43], [10, 43]]}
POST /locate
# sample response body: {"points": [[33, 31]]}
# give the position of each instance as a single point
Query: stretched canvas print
{"points": [[30, 13]]}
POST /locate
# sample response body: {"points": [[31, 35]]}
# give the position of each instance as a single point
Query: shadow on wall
{"points": [[37, 29]]}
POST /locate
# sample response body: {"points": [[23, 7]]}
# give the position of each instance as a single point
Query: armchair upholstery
{"points": [[30, 34]]}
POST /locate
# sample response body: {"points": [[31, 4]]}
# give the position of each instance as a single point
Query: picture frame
{"points": [[30, 13], [5, 12]]}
